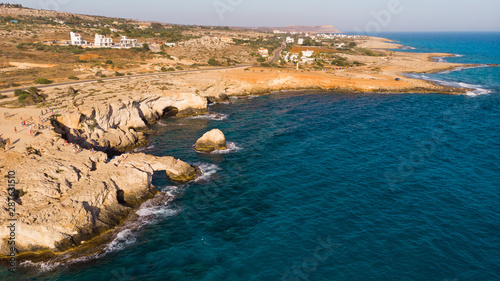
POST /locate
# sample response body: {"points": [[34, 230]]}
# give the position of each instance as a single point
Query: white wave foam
{"points": [[211, 116], [225, 102], [439, 59], [463, 68], [171, 191], [123, 238], [458, 56], [159, 211], [149, 147], [149, 213], [207, 170], [231, 147], [478, 92], [41, 266], [477, 89]]}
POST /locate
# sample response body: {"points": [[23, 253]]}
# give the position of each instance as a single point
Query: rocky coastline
{"points": [[67, 189]]}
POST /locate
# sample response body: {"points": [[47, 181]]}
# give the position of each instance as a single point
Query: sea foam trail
{"points": [[477, 89], [211, 116], [231, 147], [207, 170], [463, 68], [150, 212]]}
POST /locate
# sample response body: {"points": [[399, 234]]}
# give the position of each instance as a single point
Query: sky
{"points": [[366, 16]]}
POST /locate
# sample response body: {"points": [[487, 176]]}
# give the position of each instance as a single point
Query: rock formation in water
{"points": [[210, 141]]}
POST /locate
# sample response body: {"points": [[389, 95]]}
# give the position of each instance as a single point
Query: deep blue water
{"points": [[329, 186]]}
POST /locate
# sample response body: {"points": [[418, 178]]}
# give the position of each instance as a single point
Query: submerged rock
{"points": [[210, 141]]}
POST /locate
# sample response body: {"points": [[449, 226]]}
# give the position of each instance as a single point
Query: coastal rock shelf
{"points": [[118, 126], [70, 198]]}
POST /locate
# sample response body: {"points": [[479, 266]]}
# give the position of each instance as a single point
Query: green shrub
{"points": [[171, 69], [73, 78], [18, 92], [23, 97], [179, 68], [108, 62], [261, 59], [33, 90], [213, 62], [163, 69], [119, 74], [43, 81]]}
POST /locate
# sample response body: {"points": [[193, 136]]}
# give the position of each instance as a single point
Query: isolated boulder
{"points": [[210, 141], [71, 91]]}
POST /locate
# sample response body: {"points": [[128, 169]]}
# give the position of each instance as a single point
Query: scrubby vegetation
{"points": [[43, 81], [51, 48], [31, 96]]}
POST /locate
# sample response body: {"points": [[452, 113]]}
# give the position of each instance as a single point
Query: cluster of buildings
{"points": [[319, 37], [304, 57], [101, 41]]}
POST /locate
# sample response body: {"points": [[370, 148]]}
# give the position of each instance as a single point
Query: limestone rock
{"points": [[71, 90], [68, 198], [210, 141]]}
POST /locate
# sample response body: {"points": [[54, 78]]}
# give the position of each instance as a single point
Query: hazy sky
{"points": [[346, 15]]}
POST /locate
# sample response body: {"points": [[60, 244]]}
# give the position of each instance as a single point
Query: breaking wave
{"points": [[211, 116], [231, 147], [476, 89], [207, 170]]}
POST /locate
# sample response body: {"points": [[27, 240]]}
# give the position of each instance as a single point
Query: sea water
{"points": [[326, 186]]}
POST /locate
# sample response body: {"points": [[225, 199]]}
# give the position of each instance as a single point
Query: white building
{"points": [[127, 43], [300, 41], [290, 40], [102, 41], [76, 39], [264, 52], [307, 53], [170, 44]]}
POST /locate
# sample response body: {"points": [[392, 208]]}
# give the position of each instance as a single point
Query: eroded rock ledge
{"points": [[69, 198], [119, 126]]}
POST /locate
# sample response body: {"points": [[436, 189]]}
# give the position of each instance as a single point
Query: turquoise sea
{"points": [[327, 186]]}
